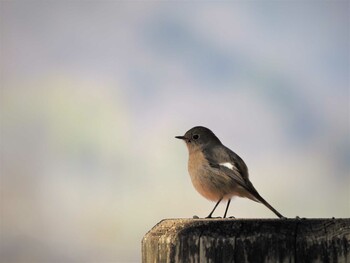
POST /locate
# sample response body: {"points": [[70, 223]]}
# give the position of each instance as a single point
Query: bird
{"points": [[217, 172]]}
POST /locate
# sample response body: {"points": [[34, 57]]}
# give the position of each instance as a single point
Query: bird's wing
{"points": [[238, 162], [234, 168], [229, 163]]}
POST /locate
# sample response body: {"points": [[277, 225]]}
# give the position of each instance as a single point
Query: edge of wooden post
{"points": [[181, 240]]}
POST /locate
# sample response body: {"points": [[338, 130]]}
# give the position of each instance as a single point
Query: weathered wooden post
{"points": [[248, 240]]}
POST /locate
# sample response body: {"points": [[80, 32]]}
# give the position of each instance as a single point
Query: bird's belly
{"points": [[208, 181], [212, 186], [205, 189]]}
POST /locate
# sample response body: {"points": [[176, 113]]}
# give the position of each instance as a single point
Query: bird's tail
{"points": [[259, 199], [263, 201]]}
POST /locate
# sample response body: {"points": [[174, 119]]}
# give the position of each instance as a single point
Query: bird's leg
{"points": [[228, 204], [209, 216]]}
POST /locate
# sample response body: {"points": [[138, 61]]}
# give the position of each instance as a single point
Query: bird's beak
{"points": [[180, 137]]}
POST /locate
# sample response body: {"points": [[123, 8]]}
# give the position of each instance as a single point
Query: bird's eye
{"points": [[195, 136]]}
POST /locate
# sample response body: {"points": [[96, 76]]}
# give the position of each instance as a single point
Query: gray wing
{"points": [[216, 156], [221, 154], [238, 162]]}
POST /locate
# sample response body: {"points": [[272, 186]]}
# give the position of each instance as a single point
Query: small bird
{"points": [[218, 173]]}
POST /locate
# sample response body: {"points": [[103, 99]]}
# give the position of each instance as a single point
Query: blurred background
{"points": [[93, 93]]}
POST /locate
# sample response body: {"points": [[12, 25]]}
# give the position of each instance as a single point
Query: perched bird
{"points": [[216, 172]]}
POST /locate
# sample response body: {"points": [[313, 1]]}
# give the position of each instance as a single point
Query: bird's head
{"points": [[199, 137]]}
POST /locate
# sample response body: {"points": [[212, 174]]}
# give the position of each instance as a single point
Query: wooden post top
{"points": [[248, 240]]}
